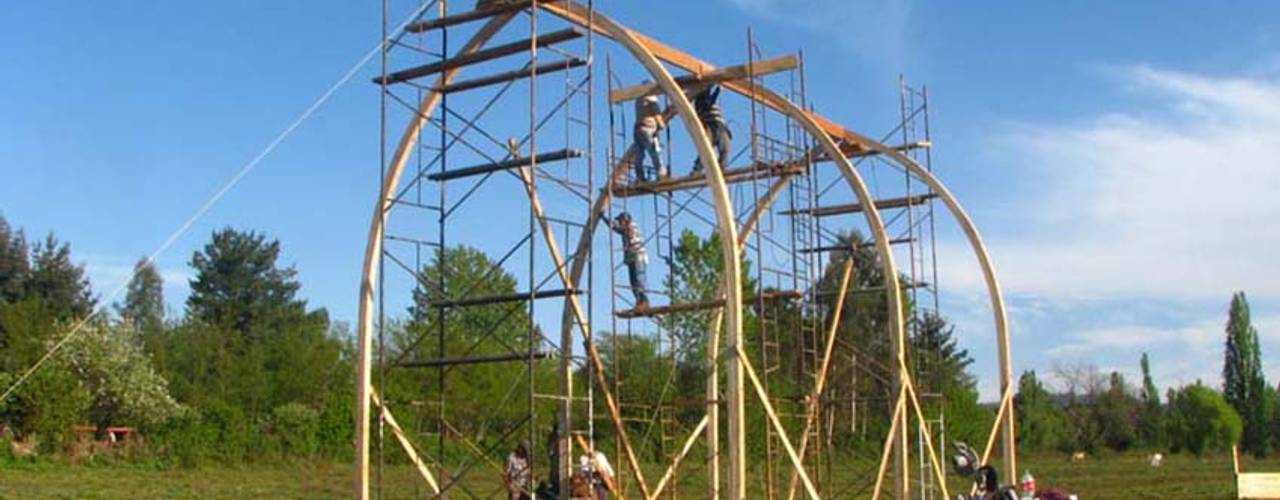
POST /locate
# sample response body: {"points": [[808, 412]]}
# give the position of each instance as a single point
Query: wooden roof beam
{"points": [[739, 72]]}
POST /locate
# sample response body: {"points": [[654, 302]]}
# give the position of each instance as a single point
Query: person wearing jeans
{"points": [[649, 122], [633, 255]]}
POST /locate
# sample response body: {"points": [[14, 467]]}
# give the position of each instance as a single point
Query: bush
{"points": [[1201, 420], [295, 428]]}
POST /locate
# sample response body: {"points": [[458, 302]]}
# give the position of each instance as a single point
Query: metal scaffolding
{"points": [[521, 138]]}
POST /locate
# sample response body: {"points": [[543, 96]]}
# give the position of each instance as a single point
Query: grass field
{"points": [[1107, 477]]}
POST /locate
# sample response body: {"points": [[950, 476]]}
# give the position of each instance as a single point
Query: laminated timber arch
{"points": [[838, 144]]}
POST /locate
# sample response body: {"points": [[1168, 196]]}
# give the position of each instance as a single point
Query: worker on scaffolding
{"points": [[518, 476], [649, 122], [707, 104], [633, 255]]}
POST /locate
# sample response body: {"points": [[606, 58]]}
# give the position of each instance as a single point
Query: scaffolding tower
{"points": [[503, 164]]}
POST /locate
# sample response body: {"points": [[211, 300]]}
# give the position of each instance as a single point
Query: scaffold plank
{"points": [[759, 68], [507, 76], [474, 360], [480, 56], [509, 164], [497, 299], [731, 176], [835, 248], [850, 208], [704, 305], [465, 17]]}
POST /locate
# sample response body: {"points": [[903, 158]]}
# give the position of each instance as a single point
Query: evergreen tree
{"points": [[15, 265], [58, 282], [1150, 424], [143, 307], [1243, 385], [1116, 411], [238, 283]]}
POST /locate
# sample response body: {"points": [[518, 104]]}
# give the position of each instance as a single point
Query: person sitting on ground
{"points": [[633, 255], [707, 104], [649, 122], [518, 476]]}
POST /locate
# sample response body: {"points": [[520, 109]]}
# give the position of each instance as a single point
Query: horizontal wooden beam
{"points": [[504, 77], [731, 176], [739, 72], [512, 163], [473, 360], [480, 56], [858, 152], [511, 297], [704, 305], [465, 17], [850, 208]]}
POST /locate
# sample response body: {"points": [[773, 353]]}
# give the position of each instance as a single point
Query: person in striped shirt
{"points": [[633, 255]]}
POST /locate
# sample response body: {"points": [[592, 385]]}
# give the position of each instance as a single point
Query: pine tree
{"points": [[15, 268], [59, 282], [143, 307], [1243, 385]]}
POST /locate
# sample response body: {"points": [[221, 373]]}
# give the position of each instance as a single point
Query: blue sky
{"points": [[1118, 157]]}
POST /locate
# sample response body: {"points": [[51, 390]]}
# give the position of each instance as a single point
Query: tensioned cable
{"points": [[217, 196]]}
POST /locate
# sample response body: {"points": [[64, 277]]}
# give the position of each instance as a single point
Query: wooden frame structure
{"points": [[836, 145]]}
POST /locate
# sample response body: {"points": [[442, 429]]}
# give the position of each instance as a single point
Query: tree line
{"points": [[248, 371]]}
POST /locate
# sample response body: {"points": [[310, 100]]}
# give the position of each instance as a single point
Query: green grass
{"points": [[1099, 477]]}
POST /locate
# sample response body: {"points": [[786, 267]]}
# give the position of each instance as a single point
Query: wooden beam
{"points": [[507, 76], [675, 463], [739, 72], [479, 56], [837, 248], [404, 443]]}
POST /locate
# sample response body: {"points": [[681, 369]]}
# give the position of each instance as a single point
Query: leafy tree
{"points": [[248, 340], [143, 307], [1243, 383], [123, 387], [1041, 424], [1150, 423], [1200, 420], [480, 395], [1116, 410], [52, 399], [696, 267], [15, 266], [58, 282]]}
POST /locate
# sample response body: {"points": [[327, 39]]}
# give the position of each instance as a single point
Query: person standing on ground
{"points": [[517, 475], [707, 105], [649, 122], [602, 476], [633, 255]]}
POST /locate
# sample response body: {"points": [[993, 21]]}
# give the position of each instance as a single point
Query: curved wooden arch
{"points": [[373, 249], [649, 53]]}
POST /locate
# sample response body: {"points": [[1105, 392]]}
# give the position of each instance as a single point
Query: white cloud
{"points": [[1175, 198], [881, 25]]}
